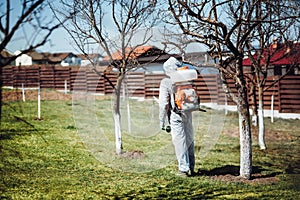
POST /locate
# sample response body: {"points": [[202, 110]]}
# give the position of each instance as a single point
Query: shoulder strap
{"points": [[172, 101]]}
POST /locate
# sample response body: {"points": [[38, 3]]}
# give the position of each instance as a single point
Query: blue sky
{"points": [[60, 40]]}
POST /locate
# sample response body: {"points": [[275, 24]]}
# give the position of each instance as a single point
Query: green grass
{"points": [[47, 159]]}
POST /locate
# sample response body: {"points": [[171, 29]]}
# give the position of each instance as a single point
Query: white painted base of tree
{"points": [[254, 120], [118, 136], [261, 133], [245, 148]]}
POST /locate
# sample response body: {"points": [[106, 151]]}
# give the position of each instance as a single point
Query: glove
{"points": [[168, 129]]}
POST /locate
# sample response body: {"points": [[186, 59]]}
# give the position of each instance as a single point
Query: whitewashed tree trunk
{"points": [[254, 106], [272, 108], [261, 133], [245, 147], [118, 135], [245, 132], [128, 116], [244, 126], [254, 119], [117, 116]]}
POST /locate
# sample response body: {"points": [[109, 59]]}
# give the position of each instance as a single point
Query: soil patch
{"points": [[255, 179], [32, 95], [270, 135], [135, 154]]}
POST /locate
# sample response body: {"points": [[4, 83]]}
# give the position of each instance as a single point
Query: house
{"points": [[283, 58], [5, 55], [67, 59], [135, 53], [89, 59], [34, 57], [149, 58]]}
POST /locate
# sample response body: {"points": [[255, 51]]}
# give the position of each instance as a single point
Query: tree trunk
{"points": [[1, 84], [254, 106], [261, 133], [118, 135], [245, 129], [245, 141], [254, 117], [117, 117]]}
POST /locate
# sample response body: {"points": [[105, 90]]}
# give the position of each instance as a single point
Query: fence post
{"points": [[66, 87], [272, 108], [39, 102], [23, 92]]}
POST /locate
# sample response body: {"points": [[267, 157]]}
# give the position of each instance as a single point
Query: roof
{"points": [[62, 56], [6, 54], [36, 56], [133, 53], [45, 56], [90, 56], [281, 54], [143, 54]]}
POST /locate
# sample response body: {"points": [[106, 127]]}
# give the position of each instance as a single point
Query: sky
{"points": [[60, 40]]}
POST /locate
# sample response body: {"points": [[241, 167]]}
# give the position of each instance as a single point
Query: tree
{"points": [[30, 17], [274, 38], [221, 27], [111, 26]]}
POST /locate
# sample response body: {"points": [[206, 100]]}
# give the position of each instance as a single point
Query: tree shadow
{"points": [[228, 169], [10, 134], [235, 171]]}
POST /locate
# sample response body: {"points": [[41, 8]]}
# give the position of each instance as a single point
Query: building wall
{"points": [[71, 61], [23, 60]]}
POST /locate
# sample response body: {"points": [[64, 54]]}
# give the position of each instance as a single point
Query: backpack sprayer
{"points": [[184, 96]]}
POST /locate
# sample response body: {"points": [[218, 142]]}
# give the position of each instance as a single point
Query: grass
{"points": [[48, 159]]}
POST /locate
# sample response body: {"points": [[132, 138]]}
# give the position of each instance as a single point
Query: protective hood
{"points": [[171, 65]]}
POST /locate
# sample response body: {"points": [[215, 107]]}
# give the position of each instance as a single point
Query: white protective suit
{"points": [[181, 124]]}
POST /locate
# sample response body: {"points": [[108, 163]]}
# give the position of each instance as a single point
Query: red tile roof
{"points": [[281, 54], [130, 53]]}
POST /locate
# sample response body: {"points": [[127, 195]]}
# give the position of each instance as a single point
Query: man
{"points": [[181, 123]]}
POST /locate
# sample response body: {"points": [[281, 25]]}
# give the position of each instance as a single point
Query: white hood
{"points": [[171, 65]]}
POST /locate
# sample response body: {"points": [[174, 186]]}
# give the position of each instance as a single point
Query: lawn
{"points": [[69, 154]]}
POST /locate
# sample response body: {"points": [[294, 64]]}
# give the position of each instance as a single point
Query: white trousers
{"points": [[183, 140]]}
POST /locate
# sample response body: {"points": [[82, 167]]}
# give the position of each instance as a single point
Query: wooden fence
{"points": [[286, 92]]}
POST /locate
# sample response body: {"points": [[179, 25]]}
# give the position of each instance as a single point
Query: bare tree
{"points": [[221, 27], [111, 26], [29, 16], [275, 38], [229, 29]]}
